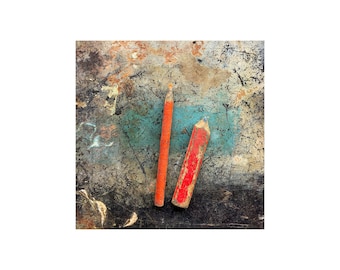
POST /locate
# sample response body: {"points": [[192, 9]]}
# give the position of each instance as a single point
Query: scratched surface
{"points": [[120, 90]]}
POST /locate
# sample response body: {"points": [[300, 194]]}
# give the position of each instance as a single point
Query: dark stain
{"points": [[92, 63], [127, 87], [223, 208]]}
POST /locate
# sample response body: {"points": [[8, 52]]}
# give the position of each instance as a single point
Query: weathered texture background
{"points": [[120, 90]]}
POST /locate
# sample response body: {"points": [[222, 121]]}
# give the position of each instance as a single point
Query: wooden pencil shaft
{"points": [[191, 165]]}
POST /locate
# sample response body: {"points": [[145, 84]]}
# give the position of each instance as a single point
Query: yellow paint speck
{"points": [[112, 90]]}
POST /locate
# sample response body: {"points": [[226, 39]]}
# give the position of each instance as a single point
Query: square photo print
{"points": [[169, 134]]}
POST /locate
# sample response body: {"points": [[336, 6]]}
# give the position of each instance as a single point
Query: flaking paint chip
{"points": [[98, 206], [134, 55], [132, 220]]}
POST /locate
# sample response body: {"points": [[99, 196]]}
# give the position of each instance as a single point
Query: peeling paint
{"points": [[201, 75]]}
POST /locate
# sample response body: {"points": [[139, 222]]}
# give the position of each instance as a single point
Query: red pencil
{"points": [[164, 148], [191, 165]]}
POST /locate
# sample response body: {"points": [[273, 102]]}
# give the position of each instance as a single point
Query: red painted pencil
{"points": [[164, 148], [191, 165]]}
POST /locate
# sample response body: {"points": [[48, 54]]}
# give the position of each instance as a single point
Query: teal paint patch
{"points": [[223, 128], [144, 129]]}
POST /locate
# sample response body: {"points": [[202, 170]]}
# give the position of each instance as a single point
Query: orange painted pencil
{"points": [[192, 164], [164, 148]]}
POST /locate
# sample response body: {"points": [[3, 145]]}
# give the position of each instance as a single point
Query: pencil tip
{"points": [[170, 86], [205, 118]]}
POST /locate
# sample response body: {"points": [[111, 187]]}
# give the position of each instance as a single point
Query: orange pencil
{"points": [[164, 148]]}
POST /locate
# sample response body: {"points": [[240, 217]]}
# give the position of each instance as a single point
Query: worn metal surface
{"points": [[120, 90]]}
